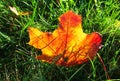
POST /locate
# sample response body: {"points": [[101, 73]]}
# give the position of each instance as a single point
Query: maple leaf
{"points": [[67, 45]]}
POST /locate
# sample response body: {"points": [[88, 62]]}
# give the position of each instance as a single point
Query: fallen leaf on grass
{"points": [[67, 45], [14, 10]]}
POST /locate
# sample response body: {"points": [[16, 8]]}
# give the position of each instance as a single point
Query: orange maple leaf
{"points": [[67, 45]]}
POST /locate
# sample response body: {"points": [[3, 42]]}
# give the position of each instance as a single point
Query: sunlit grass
{"points": [[17, 58]]}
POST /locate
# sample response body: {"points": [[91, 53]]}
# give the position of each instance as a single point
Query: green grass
{"points": [[17, 58]]}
